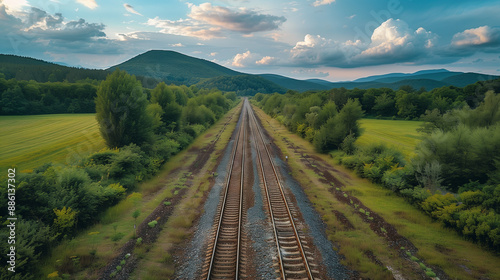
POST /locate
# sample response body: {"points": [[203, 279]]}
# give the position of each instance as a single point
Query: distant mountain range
{"points": [[174, 67]]}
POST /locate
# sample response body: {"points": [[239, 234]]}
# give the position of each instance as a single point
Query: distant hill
{"points": [[394, 77], [299, 85], [428, 79], [26, 68], [173, 66], [242, 84]]}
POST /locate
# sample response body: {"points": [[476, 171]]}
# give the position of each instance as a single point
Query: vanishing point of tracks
{"points": [[227, 255]]}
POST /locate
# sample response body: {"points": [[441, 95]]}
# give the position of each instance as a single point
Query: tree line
{"points": [[142, 130], [454, 176]]}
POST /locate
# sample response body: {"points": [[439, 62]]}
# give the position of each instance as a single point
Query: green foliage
{"points": [[152, 224], [65, 220], [138, 241], [464, 152], [338, 127], [242, 84], [121, 111], [117, 236]]}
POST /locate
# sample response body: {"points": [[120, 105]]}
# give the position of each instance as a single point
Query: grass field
{"points": [[402, 135], [27, 142]]}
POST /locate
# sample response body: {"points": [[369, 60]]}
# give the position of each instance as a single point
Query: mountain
{"points": [[393, 77], [294, 84], [242, 84], [464, 79], [173, 66], [26, 68]]}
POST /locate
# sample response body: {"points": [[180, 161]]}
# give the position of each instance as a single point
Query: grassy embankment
{"points": [[437, 246], [27, 142], [118, 219]]}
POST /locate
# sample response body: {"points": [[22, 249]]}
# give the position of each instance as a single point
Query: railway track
{"points": [[293, 259], [226, 249], [226, 253]]}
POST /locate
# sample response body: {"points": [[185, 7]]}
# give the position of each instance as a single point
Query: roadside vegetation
{"points": [[57, 202], [453, 175]]}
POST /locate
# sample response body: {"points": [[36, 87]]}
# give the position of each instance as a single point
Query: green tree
{"points": [[337, 128], [121, 111]]}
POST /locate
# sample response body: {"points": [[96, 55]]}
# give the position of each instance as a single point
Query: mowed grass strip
{"points": [[27, 142], [399, 134]]}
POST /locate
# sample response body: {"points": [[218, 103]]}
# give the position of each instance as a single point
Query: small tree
{"points": [[135, 215], [121, 111]]}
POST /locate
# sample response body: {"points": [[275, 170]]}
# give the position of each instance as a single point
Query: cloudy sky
{"points": [[334, 40]]}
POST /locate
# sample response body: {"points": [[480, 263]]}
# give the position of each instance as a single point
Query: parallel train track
{"points": [[226, 252]]}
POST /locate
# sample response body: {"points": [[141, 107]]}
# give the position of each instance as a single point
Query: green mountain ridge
{"points": [[168, 66], [173, 66]]}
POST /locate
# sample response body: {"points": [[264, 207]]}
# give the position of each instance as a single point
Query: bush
{"points": [[430, 273], [152, 224], [117, 236], [138, 241]]}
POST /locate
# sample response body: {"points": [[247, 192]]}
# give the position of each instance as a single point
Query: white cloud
{"points": [[394, 41], [177, 45], [213, 53], [315, 49], [186, 27], [15, 5], [322, 2], [242, 59], [131, 9], [207, 22], [481, 36], [91, 4], [243, 20], [266, 60]]}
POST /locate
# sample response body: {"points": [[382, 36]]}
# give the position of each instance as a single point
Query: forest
{"points": [[142, 129], [454, 177]]}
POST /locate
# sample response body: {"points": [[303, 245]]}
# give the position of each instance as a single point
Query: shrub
{"points": [[430, 273], [138, 241], [122, 262], [118, 268], [117, 236], [152, 224], [167, 203]]}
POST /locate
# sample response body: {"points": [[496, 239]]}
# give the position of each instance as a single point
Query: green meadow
{"points": [[27, 142], [399, 134]]}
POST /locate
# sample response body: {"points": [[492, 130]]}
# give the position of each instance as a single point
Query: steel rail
{"points": [[290, 216], [241, 130]]}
